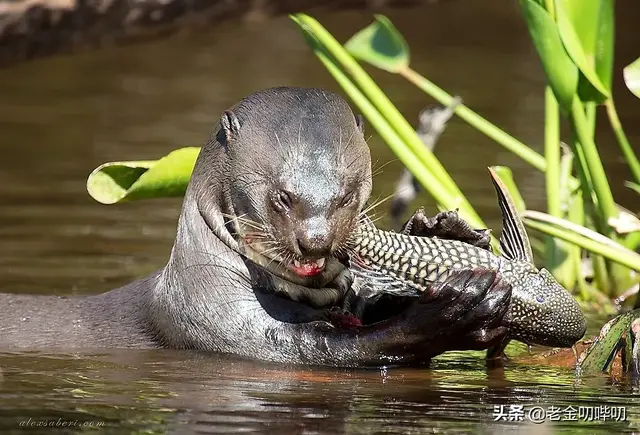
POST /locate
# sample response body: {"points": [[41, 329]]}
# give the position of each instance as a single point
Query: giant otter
{"points": [[254, 267]]}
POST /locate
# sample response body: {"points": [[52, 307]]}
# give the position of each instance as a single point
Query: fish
{"points": [[541, 311]]}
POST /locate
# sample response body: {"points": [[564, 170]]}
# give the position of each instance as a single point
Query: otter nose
{"points": [[315, 246], [314, 237]]}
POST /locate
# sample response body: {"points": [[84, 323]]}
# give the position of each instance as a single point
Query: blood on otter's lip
{"points": [[308, 267]]}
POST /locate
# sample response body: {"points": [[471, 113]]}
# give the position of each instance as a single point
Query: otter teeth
{"points": [[318, 263]]}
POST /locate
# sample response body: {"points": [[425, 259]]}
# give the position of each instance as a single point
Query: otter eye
{"points": [[347, 200], [283, 200]]}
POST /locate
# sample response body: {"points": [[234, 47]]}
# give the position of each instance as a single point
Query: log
{"points": [[32, 29]]}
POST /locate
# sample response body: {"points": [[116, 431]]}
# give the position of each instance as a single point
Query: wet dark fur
{"points": [[207, 297]]}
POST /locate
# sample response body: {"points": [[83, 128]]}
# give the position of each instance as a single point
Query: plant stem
{"points": [[629, 259], [477, 121], [632, 241], [625, 146], [601, 187], [400, 148], [576, 215], [590, 114], [379, 100], [552, 174]]}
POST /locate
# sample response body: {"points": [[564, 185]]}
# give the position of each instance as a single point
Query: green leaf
{"points": [[593, 23], [583, 237], [561, 71], [614, 336], [380, 44], [574, 46], [582, 14], [632, 77], [605, 47], [125, 181]]}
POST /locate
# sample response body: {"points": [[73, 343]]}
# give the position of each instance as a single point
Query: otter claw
{"points": [[446, 225]]}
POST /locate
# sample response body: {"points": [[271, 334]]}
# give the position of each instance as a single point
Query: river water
{"points": [[61, 117]]}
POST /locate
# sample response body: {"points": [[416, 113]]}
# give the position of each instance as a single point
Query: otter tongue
{"points": [[308, 267]]}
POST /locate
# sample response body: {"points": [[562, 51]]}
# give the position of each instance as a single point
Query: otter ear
{"points": [[230, 128], [360, 123]]}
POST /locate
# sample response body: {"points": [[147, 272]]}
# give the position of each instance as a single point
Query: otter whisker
{"points": [[369, 219], [376, 204], [246, 221], [275, 249], [377, 170]]}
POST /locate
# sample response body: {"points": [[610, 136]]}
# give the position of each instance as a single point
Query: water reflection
{"points": [[61, 117], [181, 392]]}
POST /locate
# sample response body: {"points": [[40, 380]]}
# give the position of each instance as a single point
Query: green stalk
{"points": [[552, 174], [477, 121], [379, 99], [632, 241], [601, 273], [617, 254], [586, 185], [576, 215], [406, 155], [598, 263], [625, 146], [590, 114], [601, 187]]}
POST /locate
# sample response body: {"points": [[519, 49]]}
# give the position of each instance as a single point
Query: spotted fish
{"points": [[541, 312]]}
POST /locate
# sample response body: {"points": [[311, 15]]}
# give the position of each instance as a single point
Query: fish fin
{"points": [[514, 241]]}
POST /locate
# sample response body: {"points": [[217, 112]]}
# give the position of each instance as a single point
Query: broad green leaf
{"points": [[614, 336], [583, 237], [605, 43], [583, 14], [125, 181], [632, 77], [576, 50], [561, 71], [380, 44], [593, 23]]}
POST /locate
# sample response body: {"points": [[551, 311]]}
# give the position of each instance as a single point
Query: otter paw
{"points": [[342, 282], [480, 309], [464, 312], [446, 225]]}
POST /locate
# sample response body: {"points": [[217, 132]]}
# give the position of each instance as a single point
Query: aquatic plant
{"points": [[616, 348], [582, 221], [576, 51]]}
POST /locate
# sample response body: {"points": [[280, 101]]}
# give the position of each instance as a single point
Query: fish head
{"points": [[545, 313]]}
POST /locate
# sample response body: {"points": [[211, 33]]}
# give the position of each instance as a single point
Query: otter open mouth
{"points": [[307, 267], [301, 267]]}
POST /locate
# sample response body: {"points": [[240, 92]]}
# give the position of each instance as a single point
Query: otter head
{"points": [[299, 173]]}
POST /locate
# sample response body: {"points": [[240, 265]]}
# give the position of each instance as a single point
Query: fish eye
{"points": [[540, 299]]}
